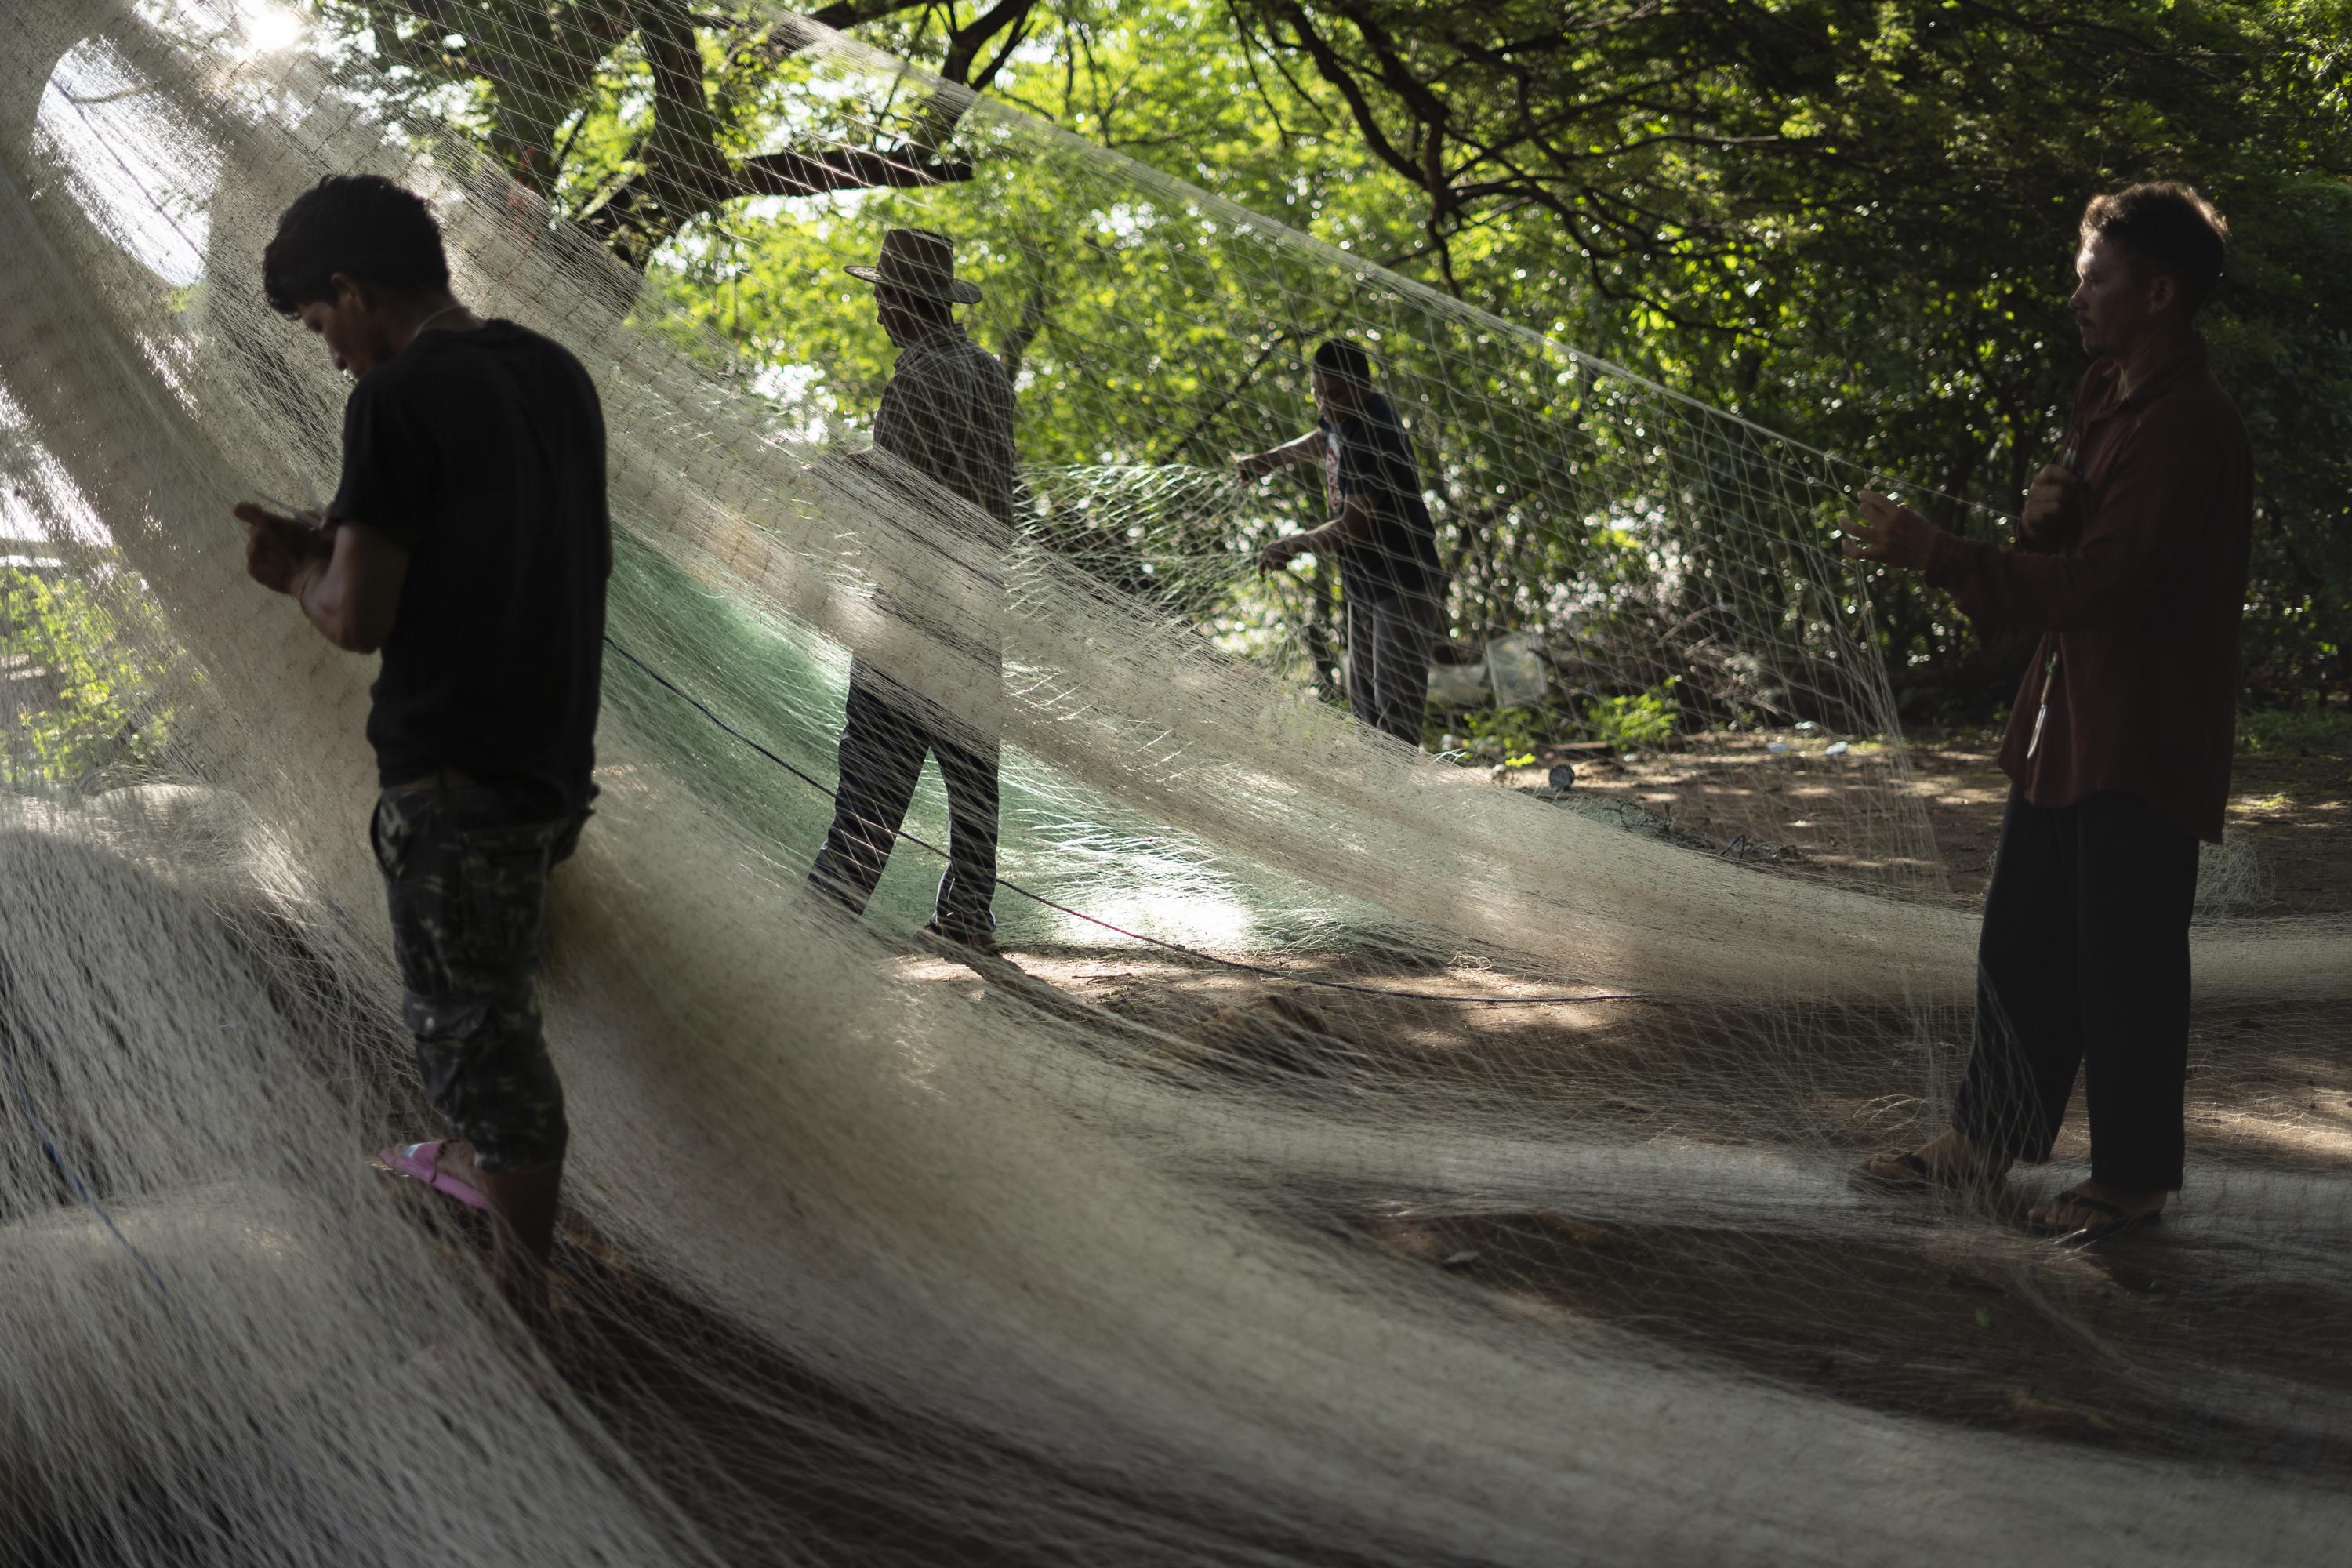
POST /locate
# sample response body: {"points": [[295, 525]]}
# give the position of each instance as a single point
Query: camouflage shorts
{"points": [[466, 880]]}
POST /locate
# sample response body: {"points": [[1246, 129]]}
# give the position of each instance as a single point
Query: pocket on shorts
{"points": [[502, 878], [388, 837]]}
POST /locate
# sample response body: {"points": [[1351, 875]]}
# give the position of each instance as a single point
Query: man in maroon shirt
{"points": [[2131, 563]]}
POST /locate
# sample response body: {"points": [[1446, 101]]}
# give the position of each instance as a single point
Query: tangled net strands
{"points": [[867, 1262]]}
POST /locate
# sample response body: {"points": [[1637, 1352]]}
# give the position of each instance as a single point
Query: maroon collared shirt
{"points": [[2138, 602]]}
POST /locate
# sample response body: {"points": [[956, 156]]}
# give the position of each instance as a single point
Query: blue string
{"points": [[66, 1169]]}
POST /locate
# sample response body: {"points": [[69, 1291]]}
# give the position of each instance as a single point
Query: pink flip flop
{"points": [[422, 1162]]}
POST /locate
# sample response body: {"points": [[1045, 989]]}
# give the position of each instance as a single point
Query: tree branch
{"points": [[795, 173], [1333, 69]]}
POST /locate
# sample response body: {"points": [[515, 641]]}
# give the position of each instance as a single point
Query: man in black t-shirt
{"points": [[469, 542], [1381, 533]]}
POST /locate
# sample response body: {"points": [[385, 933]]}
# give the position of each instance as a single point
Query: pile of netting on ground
{"points": [[873, 1258]]}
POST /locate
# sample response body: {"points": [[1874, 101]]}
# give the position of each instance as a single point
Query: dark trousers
{"points": [[1388, 643], [2083, 961], [888, 731]]}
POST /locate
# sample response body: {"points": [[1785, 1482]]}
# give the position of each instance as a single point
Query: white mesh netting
{"points": [[1138, 1256]]}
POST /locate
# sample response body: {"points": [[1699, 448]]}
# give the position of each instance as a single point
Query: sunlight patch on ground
{"points": [[2314, 1139]]}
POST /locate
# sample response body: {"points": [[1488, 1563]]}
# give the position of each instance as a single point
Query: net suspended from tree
{"points": [[1264, 1243]]}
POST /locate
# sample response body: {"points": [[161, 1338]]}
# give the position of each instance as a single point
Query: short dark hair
{"points": [[2168, 229], [1338, 357], [362, 226]]}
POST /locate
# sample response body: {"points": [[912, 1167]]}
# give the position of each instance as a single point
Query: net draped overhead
{"points": [[868, 1263]]}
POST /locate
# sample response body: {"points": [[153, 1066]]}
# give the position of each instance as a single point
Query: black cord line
{"points": [[667, 684]]}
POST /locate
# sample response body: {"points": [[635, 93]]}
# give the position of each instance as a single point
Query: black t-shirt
{"points": [[1368, 454], [482, 455]]}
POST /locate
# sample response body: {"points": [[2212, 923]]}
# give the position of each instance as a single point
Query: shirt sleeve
{"points": [[910, 423], [891, 415], [1004, 463], [2162, 489], [387, 469]]}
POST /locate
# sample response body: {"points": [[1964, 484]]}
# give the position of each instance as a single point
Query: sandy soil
{"points": [[1958, 1324], [1955, 1318], [1962, 1319], [2294, 811]]}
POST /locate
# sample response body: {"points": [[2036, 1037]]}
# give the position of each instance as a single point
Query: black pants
{"points": [[1388, 643], [2084, 962], [888, 731]]}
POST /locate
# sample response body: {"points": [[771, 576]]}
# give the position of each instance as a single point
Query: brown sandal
{"points": [[2114, 1220], [1921, 1177]]}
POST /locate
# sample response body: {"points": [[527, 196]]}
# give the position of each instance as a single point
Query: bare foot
{"points": [[1947, 1160]]}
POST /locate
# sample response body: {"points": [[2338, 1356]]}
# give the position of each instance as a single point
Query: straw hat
{"points": [[919, 261]]}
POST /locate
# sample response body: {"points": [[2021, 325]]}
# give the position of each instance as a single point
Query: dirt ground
{"points": [[2293, 810], [1948, 1318], [1960, 1319], [1943, 1326]]}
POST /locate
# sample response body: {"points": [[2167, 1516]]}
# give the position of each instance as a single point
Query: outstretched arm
{"points": [[1258, 464], [1354, 522], [347, 579]]}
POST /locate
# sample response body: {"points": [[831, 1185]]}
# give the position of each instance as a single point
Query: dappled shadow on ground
{"points": [[2269, 1080], [2191, 1340], [2148, 1344], [1805, 810], [2195, 1338]]}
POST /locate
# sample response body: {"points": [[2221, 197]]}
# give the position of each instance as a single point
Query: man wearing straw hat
{"points": [[944, 436]]}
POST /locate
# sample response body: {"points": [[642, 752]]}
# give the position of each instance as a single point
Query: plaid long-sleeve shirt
{"points": [[947, 416], [947, 411], [2138, 607]]}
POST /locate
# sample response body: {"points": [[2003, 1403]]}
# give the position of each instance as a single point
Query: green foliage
{"points": [[2294, 731], [1851, 220], [1506, 735], [1643, 721], [87, 702]]}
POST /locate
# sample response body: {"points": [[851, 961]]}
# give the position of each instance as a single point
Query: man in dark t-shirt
{"points": [[469, 542], [1380, 532]]}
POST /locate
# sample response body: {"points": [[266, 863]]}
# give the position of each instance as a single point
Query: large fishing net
{"points": [[1355, 1162]]}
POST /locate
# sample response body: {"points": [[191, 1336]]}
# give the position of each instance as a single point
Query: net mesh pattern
{"points": [[1234, 1221]]}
